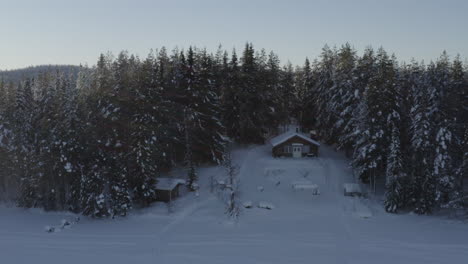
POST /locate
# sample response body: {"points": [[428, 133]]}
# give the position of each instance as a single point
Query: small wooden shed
{"points": [[168, 189], [294, 144]]}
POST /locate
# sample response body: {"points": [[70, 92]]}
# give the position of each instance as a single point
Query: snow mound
{"points": [[260, 188], [248, 204], [300, 183], [352, 189], [362, 211], [266, 205], [64, 224], [310, 187], [273, 172], [49, 229]]}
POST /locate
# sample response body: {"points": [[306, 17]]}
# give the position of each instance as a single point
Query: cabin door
{"points": [[297, 151]]}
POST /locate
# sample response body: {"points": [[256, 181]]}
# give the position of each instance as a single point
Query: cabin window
{"points": [[286, 149], [305, 149]]}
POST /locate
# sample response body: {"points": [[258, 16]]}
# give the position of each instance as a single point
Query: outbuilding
{"points": [[168, 189], [294, 144]]}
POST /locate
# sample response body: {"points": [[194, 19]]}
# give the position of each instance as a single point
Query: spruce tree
{"points": [[306, 95], [442, 171], [345, 97], [251, 102], [324, 89], [145, 152], [230, 98], [209, 132], [371, 147], [395, 192], [286, 93], [24, 158], [278, 84], [72, 144], [191, 116], [422, 130]]}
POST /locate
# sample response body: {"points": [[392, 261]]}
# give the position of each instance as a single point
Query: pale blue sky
{"points": [[72, 32]]}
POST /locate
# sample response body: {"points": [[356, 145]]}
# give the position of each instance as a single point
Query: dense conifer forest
{"points": [[96, 142]]}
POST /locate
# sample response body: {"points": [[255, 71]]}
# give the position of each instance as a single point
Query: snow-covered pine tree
{"points": [[443, 171], [456, 110], [71, 147], [461, 173], [365, 69], [8, 179], [3, 95], [189, 160], [208, 134], [191, 116], [84, 82], [446, 184], [93, 196], [233, 208], [395, 177], [144, 151], [23, 158], [219, 71], [276, 86], [362, 164], [325, 89], [370, 155], [95, 199], [306, 95], [422, 130], [117, 135], [459, 199], [7, 176], [404, 90], [287, 93], [344, 99], [267, 114], [94, 182], [48, 141], [230, 98], [169, 74], [251, 101]]}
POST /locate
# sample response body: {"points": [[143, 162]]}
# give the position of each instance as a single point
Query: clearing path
{"points": [[301, 228]]}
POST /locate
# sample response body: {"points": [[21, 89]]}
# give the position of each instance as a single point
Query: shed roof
{"points": [[168, 184], [290, 134]]}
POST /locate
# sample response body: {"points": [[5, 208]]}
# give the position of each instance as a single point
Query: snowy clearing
{"points": [[303, 228]]}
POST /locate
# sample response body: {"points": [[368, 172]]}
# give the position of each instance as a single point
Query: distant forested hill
{"points": [[33, 71]]}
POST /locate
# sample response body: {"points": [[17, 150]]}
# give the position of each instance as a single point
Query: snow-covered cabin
{"points": [[294, 144], [167, 189]]}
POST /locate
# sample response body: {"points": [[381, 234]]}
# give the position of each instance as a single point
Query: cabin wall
{"points": [[163, 195], [166, 195], [278, 151]]}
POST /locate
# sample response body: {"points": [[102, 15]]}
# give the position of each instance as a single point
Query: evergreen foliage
{"points": [[96, 141]]}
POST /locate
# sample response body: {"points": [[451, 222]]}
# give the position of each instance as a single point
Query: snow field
{"points": [[302, 228]]}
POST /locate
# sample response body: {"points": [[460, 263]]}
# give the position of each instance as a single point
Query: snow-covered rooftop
{"points": [[168, 184], [289, 134], [350, 188]]}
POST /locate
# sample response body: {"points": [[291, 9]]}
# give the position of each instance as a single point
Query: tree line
{"points": [[403, 125], [96, 143]]}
